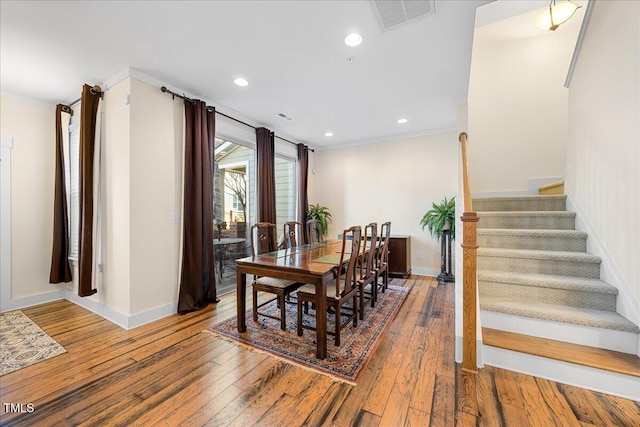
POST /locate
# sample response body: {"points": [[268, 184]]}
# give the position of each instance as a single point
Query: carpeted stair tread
{"points": [[539, 255], [537, 239], [549, 281], [531, 232], [520, 203], [558, 220], [559, 313]]}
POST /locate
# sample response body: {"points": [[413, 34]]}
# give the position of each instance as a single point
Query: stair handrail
{"points": [[469, 277]]}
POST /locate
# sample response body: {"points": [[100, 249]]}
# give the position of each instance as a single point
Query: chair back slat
{"points": [[349, 277], [383, 248], [312, 231], [292, 234], [368, 257], [263, 238]]}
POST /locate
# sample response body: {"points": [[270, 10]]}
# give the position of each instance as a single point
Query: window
{"points": [[285, 172], [73, 183]]}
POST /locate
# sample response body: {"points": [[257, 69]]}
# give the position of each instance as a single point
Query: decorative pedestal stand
{"points": [[445, 257]]}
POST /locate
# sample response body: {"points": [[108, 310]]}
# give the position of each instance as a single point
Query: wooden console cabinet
{"points": [[400, 256]]}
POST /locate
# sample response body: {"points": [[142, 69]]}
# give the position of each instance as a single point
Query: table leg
{"points": [[241, 293], [321, 319]]}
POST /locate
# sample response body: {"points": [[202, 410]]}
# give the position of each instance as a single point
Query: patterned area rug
{"points": [[23, 343], [342, 363]]}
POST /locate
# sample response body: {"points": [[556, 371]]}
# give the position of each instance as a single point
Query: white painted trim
{"points": [[6, 144], [598, 380], [14, 304], [581, 35], [625, 342], [627, 306], [123, 320]]}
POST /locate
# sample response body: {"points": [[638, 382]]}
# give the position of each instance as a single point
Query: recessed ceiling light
{"points": [[241, 82], [402, 121], [353, 39], [328, 134]]}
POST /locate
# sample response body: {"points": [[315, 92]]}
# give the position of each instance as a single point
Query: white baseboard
{"points": [[114, 316], [123, 320], [421, 271], [598, 380], [24, 302], [625, 342], [627, 306]]}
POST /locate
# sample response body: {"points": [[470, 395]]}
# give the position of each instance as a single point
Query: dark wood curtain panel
{"points": [[197, 280], [88, 119], [60, 269], [266, 182], [303, 168]]}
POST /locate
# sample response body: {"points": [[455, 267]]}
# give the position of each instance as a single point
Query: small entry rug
{"points": [[343, 363], [23, 343]]}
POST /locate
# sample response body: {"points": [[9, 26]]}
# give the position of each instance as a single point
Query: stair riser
{"points": [[540, 266], [546, 243], [555, 204], [625, 342], [573, 298]]}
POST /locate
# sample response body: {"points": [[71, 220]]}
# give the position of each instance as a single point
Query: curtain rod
{"points": [[173, 94], [94, 90]]}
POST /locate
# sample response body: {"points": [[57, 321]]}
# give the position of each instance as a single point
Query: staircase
{"points": [[536, 279]]}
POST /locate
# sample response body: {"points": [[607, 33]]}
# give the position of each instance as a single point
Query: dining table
{"points": [[313, 263]]}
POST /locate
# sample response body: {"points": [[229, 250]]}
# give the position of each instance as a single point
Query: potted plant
{"points": [[440, 221], [322, 215], [441, 216]]}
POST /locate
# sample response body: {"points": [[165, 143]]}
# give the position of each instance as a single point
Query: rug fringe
{"points": [[284, 359]]}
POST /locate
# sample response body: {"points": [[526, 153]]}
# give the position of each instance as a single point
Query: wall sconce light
{"points": [[556, 15]]}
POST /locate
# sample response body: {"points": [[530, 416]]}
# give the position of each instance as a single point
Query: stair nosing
{"points": [[542, 311]]}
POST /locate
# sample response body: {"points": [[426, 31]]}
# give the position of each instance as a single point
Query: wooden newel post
{"points": [[469, 276], [469, 255]]}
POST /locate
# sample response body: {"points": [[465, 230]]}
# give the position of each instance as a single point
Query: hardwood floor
{"points": [[170, 373]]}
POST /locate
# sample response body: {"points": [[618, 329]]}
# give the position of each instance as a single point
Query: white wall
{"points": [[32, 128], [155, 159], [603, 153], [115, 292], [393, 181], [517, 102]]}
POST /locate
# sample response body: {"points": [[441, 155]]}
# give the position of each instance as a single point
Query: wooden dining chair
{"points": [[382, 258], [263, 240], [367, 273], [313, 236], [342, 289], [293, 234]]}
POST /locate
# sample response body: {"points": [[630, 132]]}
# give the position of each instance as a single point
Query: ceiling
{"points": [[292, 53]]}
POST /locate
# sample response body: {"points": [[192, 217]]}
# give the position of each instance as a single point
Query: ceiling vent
{"points": [[391, 13], [284, 116]]}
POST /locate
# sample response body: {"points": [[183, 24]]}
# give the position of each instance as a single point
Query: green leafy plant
{"points": [[320, 214], [441, 214]]}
